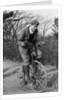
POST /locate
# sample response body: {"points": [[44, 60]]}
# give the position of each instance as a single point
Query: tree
{"points": [[7, 14], [14, 22]]}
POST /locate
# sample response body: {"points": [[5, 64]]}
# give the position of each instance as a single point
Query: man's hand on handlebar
{"points": [[40, 44]]}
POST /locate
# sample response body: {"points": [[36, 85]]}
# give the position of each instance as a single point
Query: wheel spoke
{"points": [[40, 78]]}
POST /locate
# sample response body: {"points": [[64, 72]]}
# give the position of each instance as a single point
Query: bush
{"points": [[50, 51], [10, 50]]}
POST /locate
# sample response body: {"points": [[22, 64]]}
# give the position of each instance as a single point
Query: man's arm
{"points": [[36, 40], [20, 38], [20, 43], [23, 39]]}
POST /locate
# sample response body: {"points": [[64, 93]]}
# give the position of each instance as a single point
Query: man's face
{"points": [[33, 28]]}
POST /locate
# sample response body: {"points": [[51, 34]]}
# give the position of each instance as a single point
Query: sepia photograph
{"points": [[30, 50]]}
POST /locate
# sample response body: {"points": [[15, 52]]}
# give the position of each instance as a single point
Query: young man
{"points": [[26, 39]]}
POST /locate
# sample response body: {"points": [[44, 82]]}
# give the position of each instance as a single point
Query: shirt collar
{"points": [[30, 30]]}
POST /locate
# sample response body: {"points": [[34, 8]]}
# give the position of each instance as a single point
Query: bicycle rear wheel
{"points": [[39, 79]]}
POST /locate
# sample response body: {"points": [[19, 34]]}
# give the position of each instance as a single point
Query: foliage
{"points": [[50, 51]]}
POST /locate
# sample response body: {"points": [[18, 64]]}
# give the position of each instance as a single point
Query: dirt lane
{"points": [[10, 85]]}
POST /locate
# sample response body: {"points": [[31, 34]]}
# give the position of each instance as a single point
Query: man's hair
{"points": [[35, 22]]}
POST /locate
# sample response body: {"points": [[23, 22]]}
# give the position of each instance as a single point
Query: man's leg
{"points": [[26, 63], [26, 73]]}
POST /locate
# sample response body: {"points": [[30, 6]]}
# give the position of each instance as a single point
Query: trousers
{"points": [[25, 55]]}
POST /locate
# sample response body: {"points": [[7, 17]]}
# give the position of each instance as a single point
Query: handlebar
{"points": [[40, 44]]}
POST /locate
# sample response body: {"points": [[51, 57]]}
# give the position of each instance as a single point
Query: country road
{"points": [[10, 84]]}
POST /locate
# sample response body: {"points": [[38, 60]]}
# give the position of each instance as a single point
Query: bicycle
{"points": [[38, 74]]}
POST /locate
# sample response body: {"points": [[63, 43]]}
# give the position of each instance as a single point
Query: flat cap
{"points": [[35, 22]]}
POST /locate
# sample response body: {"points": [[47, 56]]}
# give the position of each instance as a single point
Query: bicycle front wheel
{"points": [[39, 79]]}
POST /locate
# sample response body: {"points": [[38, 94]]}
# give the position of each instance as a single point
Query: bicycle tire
{"points": [[42, 81]]}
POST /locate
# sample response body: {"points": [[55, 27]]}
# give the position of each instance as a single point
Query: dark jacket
{"points": [[25, 36]]}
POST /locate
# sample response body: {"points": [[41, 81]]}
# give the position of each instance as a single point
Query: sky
{"points": [[47, 13]]}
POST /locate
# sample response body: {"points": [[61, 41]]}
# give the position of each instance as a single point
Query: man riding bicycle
{"points": [[26, 40]]}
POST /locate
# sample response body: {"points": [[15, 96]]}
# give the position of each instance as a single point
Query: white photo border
{"points": [[31, 95]]}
